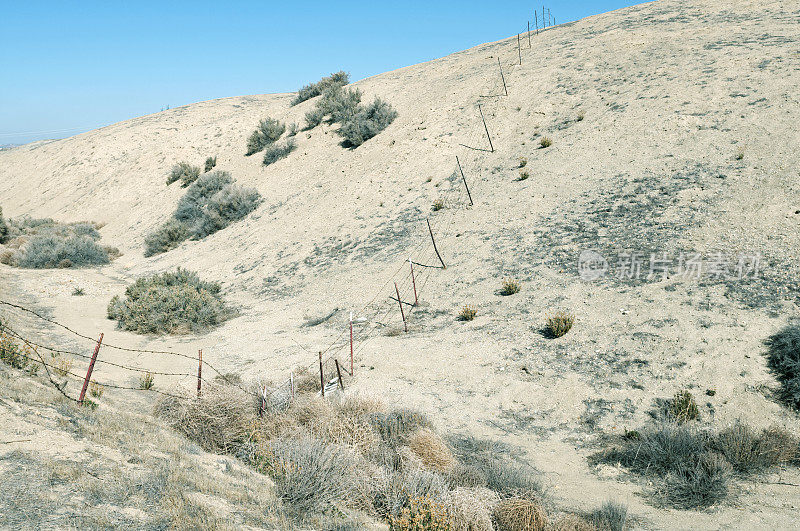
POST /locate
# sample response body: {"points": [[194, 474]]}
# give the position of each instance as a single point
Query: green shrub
{"points": [[184, 172], [276, 152], [269, 130], [146, 381], [612, 516], [510, 287], [171, 302], [467, 313], [748, 451], [51, 251], [11, 353], [314, 117], [367, 122], [210, 163], [210, 204], [701, 482], [293, 129], [783, 360], [337, 79], [341, 104], [169, 236]]}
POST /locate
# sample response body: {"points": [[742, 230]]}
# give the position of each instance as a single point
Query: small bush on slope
{"points": [[210, 163], [3, 227], [269, 130], [50, 251], [276, 152], [210, 204], [184, 172], [172, 302], [783, 360], [337, 79], [367, 122]]}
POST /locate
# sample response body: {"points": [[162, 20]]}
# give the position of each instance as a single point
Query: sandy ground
{"points": [[648, 109]]}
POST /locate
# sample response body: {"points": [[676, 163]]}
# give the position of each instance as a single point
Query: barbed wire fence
{"points": [[390, 306]]}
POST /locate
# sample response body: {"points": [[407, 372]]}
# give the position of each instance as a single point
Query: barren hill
{"points": [[674, 136]]}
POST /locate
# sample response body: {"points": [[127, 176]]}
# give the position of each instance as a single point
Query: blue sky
{"points": [[70, 67]]}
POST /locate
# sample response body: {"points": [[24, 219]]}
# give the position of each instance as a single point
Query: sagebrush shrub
{"points": [[749, 451], [783, 360], [545, 142], [438, 205], [612, 516], [3, 227], [510, 287], [367, 122], [467, 313], [518, 514], [11, 353], [210, 163], [169, 303], [314, 117], [184, 172], [269, 131], [340, 104], [276, 152], [210, 204], [51, 251], [337, 79]]}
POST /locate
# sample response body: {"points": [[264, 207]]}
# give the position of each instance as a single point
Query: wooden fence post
{"points": [[402, 313], [486, 127], [529, 34], [89, 371], [519, 50], [536, 20], [465, 181], [434, 244], [505, 88], [544, 20], [351, 343], [413, 282], [291, 384], [339, 374], [199, 371], [321, 376]]}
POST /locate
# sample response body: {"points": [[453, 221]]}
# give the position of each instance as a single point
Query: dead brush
{"points": [[523, 162], [510, 287], [96, 390], [683, 408], [61, 366], [471, 508], [559, 323], [467, 313], [422, 513], [520, 514], [545, 142], [438, 205], [431, 450], [523, 175]]}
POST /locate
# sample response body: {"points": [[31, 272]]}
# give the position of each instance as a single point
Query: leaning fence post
{"points": [[339, 374], [351, 343], [434, 244], [91, 367], [486, 127], [505, 88], [413, 282], [519, 50], [402, 313], [465, 181], [321, 377], [529, 34], [199, 371]]}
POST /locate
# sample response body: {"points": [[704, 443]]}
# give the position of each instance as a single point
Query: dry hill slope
{"points": [[648, 109]]}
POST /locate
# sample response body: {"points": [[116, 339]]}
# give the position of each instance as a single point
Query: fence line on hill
{"points": [[405, 283]]}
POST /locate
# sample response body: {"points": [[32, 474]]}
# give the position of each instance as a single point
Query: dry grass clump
{"points": [[438, 204], [432, 451], [510, 287], [612, 516], [523, 175], [523, 162], [146, 381], [423, 513], [184, 172], [683, 408], [172, 302], [3, 227], [520, 514], [559, 323], [467, 313], [96, 389], [545, 142], [749, 451], [471, 508], [210, 163], [14, 355], [571, 522]]}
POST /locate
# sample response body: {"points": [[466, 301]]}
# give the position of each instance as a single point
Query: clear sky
{"points": [[69, 67]]}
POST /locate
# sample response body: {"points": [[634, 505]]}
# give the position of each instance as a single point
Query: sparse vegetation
{"points": [[520, 514], [438, 205], [169, 303], [523, 161], [314, 117], [467, 313], [78, 292], [211, 162], [47, 244], [783, 360], [146, 381], [510, 287], [545, 142], [3, 227], [581, 116], [96, 390], [696, 465], [523, 175], [559, 323], [293, 129], [740, 154], [210, 204], [612, 516], [268, 132], [11, 353], [275, 152], [184, 172], [337, 79]]}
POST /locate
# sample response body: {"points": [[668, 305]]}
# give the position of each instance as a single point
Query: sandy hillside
{"points": [[674, 130]]}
